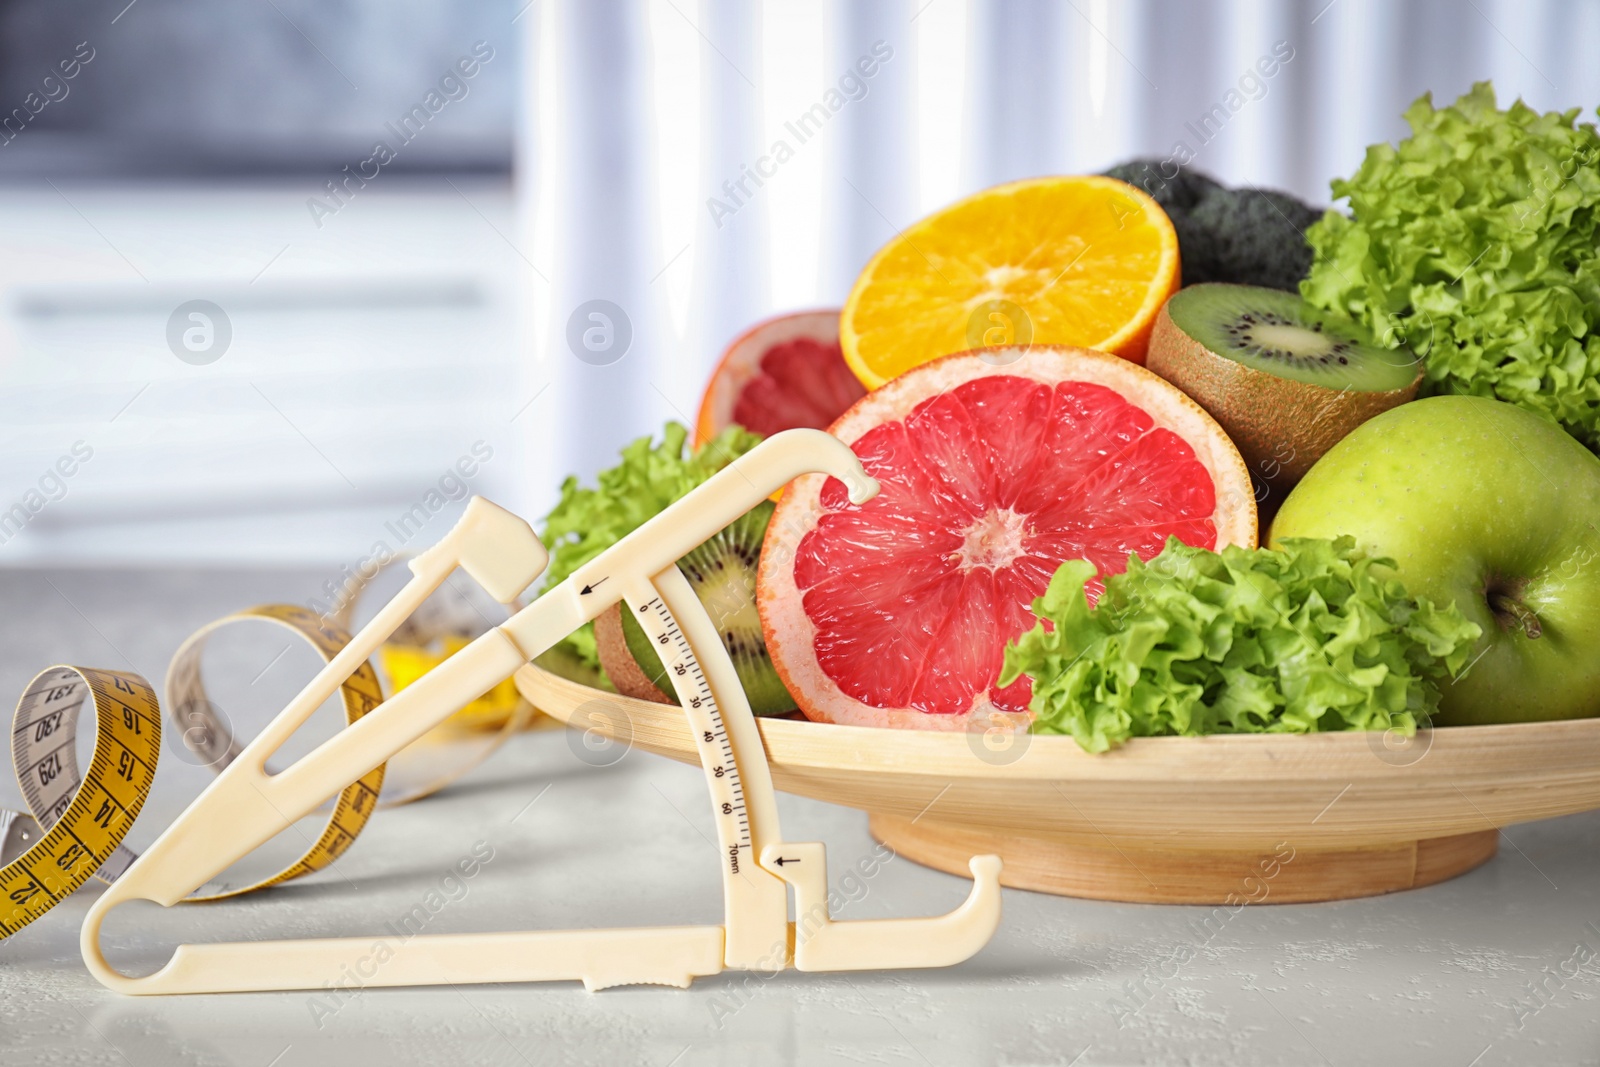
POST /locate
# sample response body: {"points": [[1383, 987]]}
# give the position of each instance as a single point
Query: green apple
{"points": [[1487, 505]]}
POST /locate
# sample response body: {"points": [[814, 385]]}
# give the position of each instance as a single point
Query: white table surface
{"points": [[1433, 976]]}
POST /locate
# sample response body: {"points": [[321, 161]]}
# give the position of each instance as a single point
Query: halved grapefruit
{"points": [[994, 467], [784, 373]]}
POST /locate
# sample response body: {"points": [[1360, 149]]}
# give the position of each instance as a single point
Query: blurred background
{"points": [[283, 280]]}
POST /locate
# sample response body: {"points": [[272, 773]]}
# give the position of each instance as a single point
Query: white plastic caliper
{"points": [[245, 806]]}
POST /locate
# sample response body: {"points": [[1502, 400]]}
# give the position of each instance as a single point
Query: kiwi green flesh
{"points": [[1280, 334], [722, 572]]}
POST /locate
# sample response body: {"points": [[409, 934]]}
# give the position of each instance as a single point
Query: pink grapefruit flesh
{"points": [[783, 373], [994, 467]]}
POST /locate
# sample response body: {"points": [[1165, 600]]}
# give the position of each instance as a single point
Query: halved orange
{"points": [[1084, 261]]}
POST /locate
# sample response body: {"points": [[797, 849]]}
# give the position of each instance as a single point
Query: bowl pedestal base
{"points": [[1111, 870]]}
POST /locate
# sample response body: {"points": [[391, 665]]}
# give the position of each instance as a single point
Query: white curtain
{"points": [[640, 110]]}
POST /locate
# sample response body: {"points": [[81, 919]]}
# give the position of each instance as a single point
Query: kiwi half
{"points": [[722, 572], [1283, 379]]}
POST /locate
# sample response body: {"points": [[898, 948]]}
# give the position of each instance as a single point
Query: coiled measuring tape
{"points": [[78, 822], [431, 763], [75, 823], [204, 734]]}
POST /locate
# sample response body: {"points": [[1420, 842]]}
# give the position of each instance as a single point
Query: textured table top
{"points": [[1500, 966]]}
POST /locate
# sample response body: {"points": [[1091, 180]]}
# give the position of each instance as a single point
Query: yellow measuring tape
{"points": [[76, 822], [80, 821], [207, 736]]}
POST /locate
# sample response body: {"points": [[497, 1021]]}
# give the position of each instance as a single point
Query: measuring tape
{"points": [[440, 627], [433, 762], [208, 737], [75, 824], [78, 821]]}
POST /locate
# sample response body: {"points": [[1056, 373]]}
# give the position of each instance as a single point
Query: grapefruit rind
{"points": [[741, 363], [789, 632]]}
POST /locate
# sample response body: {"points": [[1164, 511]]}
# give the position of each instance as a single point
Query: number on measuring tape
{"points": [[82, 818]]}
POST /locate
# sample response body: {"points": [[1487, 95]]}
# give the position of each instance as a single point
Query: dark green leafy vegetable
{"points": [[1309, 638], [1253, 237], [1243, 236], [1476, 242], [587, 521]]}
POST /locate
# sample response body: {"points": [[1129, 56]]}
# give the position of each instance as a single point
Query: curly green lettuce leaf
{"points": [[1309, 638], [1476, 242], [586, 521]]}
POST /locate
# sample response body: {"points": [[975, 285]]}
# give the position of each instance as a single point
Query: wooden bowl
{"points": [[1211, 820]]}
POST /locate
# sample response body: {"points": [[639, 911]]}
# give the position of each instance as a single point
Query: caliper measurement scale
{"points": [[705, 720], [722, 740], [245, 806]]}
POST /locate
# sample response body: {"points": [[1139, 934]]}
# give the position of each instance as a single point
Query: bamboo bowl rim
{"points": [[1336, 789], [1445, 751]]}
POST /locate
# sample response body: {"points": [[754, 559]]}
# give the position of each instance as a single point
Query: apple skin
{"points": [[1472, 497]]}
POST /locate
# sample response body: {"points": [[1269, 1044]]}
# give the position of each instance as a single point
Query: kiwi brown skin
{"points": [[564, 663], [619, 664], [1280, 426]]}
